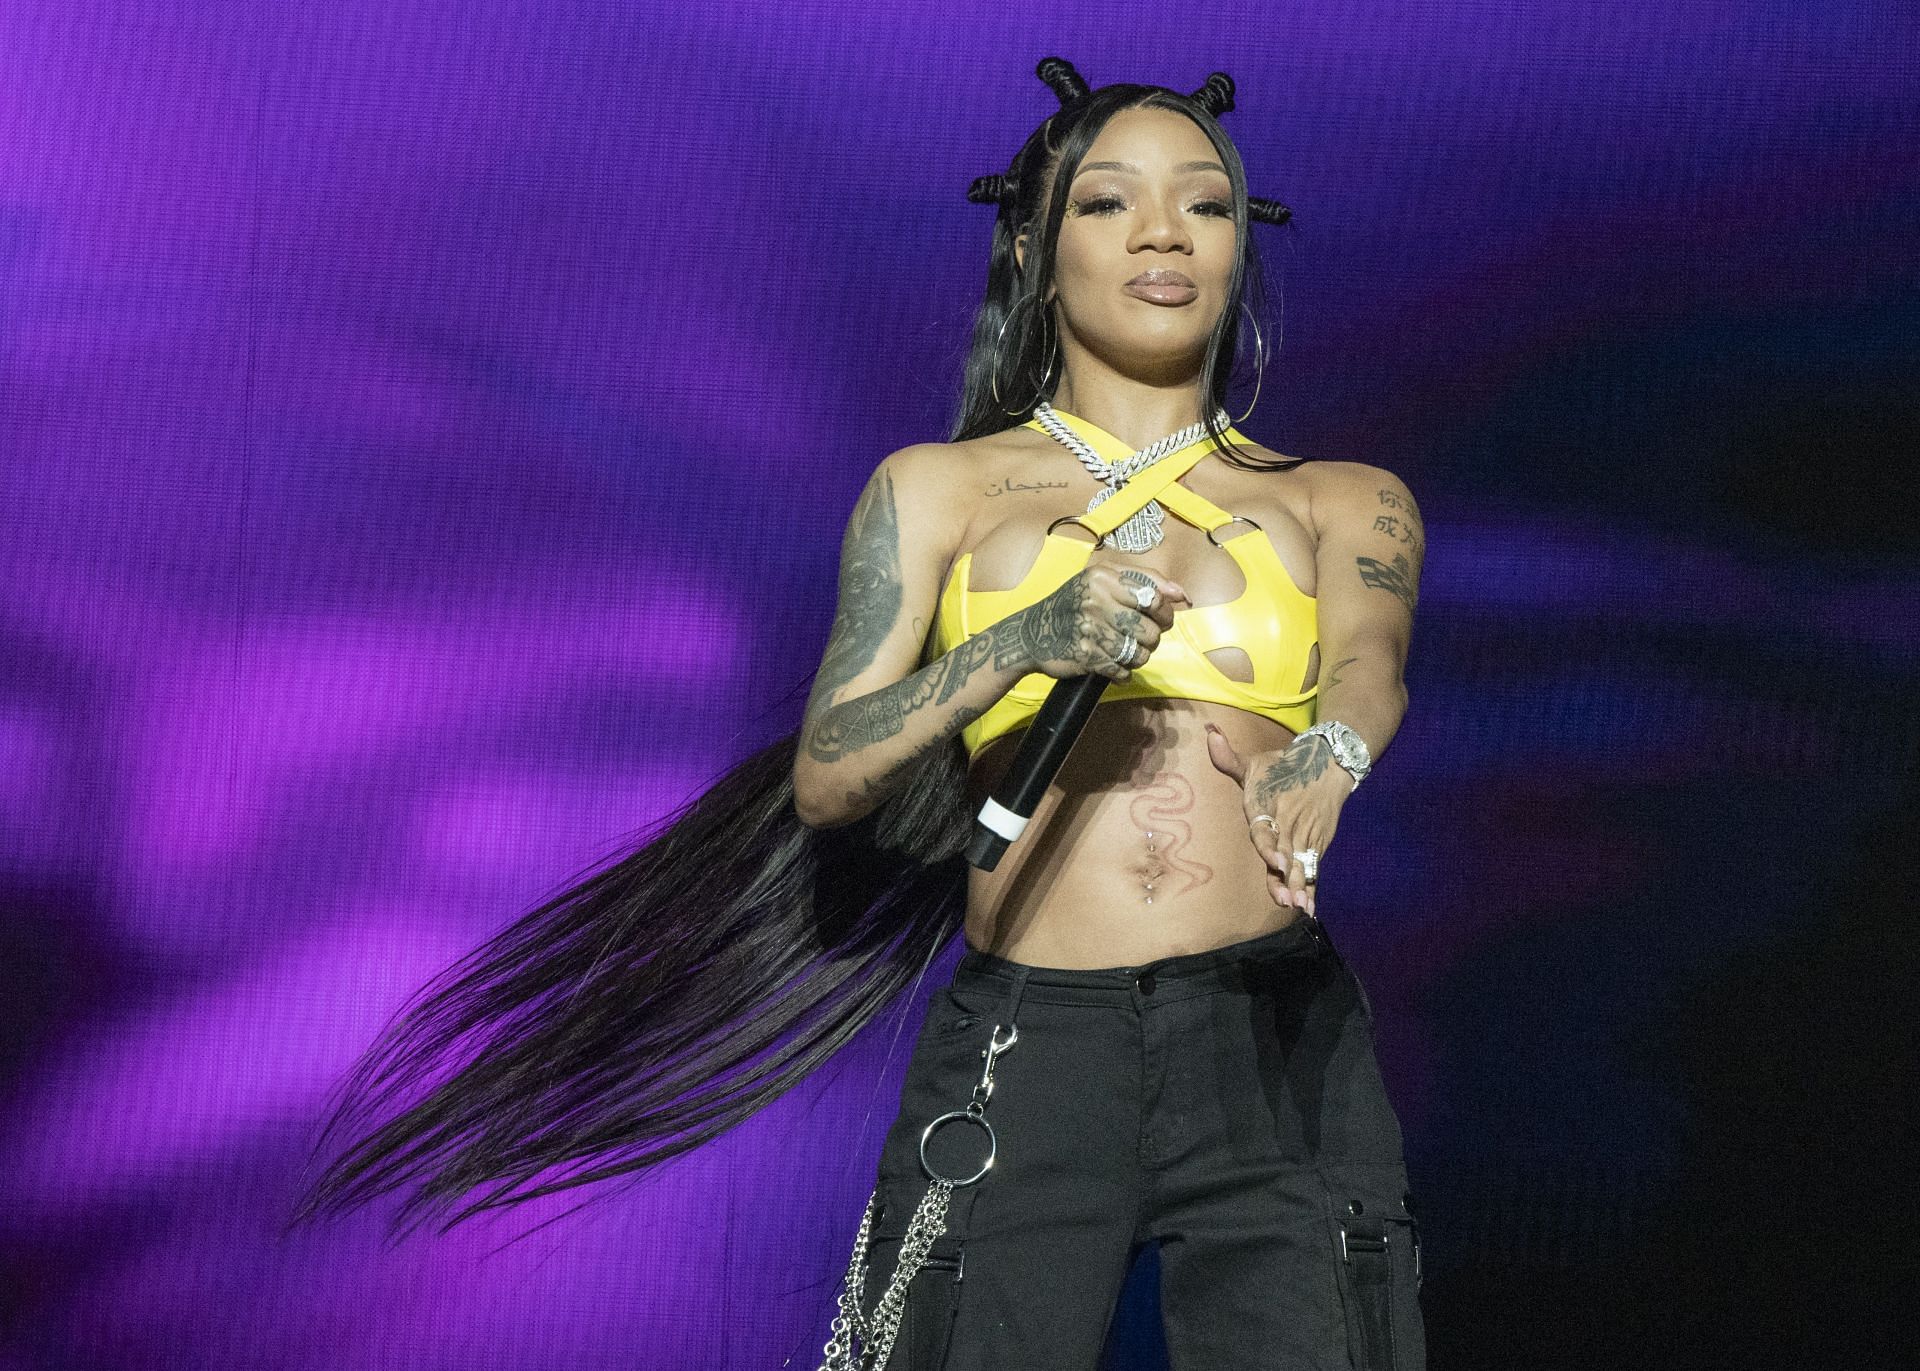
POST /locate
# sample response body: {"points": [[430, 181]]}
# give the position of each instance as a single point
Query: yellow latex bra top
{"points": [[1272, 620]]}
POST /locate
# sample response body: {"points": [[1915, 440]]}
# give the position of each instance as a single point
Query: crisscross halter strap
{"points": [[1159, 481], [1272, 621]]}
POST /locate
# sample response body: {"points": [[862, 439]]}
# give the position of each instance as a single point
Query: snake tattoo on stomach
{"points": [[1160, 811]]}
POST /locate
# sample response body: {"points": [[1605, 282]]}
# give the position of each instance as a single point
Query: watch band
{"points": [[1349, 748]]}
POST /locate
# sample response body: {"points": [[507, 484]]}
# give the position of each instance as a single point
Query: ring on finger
{"points": [[1266, 819], [1128, 645], [1144, 596], [1309, 858]]}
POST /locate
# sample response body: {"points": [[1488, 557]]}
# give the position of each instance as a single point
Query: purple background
{"points": [[425, 434]]}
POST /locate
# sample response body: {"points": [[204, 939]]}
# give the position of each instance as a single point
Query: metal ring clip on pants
{"points": [[1226, 1105], [865, 1331]]}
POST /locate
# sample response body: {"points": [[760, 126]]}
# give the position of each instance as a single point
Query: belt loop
{"points": [[1019, 989]]}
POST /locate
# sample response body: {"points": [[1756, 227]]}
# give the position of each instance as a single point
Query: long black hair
{"points": [[655, 1002]]}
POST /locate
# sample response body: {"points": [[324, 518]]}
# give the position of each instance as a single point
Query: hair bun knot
{"points": [[1216, 96], [1267, 211], [987, 190], [1061, 77]]}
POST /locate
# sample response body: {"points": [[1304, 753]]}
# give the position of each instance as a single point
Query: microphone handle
{"points": [[1049, 738]]}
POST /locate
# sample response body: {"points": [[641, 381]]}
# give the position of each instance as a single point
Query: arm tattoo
{"points": [[1050, 630], [860, 723], [1397, 578], [870, 591], [1404, 525], [878, 788], [1400, 521]]}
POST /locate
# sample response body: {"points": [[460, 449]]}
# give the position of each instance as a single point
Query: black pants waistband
{"points": [[1228, 967]]}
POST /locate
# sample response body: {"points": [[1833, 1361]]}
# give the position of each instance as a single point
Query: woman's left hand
{"points": [[1303, 788]]}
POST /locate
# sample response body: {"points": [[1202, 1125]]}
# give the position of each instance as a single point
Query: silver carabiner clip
{"points": [[974, 1113], [984, 1091]]}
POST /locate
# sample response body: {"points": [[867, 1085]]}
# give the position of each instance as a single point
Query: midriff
{"points": [[1140, 848], [1085, 886]]}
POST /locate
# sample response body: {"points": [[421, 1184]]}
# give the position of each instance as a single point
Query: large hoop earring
{"points": [[999, 343], [1260, 363]]}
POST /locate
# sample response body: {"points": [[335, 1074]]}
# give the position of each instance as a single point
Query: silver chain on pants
{"points": [[876, 1335], [860, 1342]]}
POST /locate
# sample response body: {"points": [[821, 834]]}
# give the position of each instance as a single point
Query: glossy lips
{"points": [[1163, 286]]}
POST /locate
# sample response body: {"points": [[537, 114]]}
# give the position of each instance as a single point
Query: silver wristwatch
{"points": [[1349, 748]]}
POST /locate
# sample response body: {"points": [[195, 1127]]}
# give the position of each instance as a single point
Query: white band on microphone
{"points": [[1002, 820]]}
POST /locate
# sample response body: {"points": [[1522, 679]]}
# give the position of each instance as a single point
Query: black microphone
{"points": [[1049, 738]]}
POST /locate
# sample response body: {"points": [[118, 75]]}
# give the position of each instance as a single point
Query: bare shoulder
{"points": [[967, 457], [949, 477], [1338, 489], [941, 469], [921, 479], [1350, 474]]}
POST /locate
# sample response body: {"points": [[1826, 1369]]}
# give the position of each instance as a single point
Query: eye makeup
{"points": [[1102, 205]]}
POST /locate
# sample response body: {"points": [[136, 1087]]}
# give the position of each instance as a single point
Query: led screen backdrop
{"points": [[425, 436]]}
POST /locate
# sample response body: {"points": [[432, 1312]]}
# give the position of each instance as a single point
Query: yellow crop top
{"points": [[1272, 620]]}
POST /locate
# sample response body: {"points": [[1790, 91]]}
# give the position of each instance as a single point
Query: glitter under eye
{"points": [[1101, 204]]}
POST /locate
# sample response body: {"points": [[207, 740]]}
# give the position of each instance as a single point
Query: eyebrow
{"points": [[1128, 166]]}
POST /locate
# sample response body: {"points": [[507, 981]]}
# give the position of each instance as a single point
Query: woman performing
{"points": [[1150, 1037]]}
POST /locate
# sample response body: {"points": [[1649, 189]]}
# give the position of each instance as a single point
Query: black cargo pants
{"points": [[1225, 1104]]}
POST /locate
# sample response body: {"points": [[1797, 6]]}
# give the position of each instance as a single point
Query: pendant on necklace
{"points": [[1141, 532]]}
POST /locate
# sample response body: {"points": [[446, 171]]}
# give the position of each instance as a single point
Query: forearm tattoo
{"points": [[877, 788], [847, 728], [1055, 629]]}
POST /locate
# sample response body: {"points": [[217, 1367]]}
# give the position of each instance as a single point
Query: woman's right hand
{"points": [[1079, 629]]}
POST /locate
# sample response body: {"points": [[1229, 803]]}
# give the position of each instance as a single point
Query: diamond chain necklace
{"points": [[1141, 532]]}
